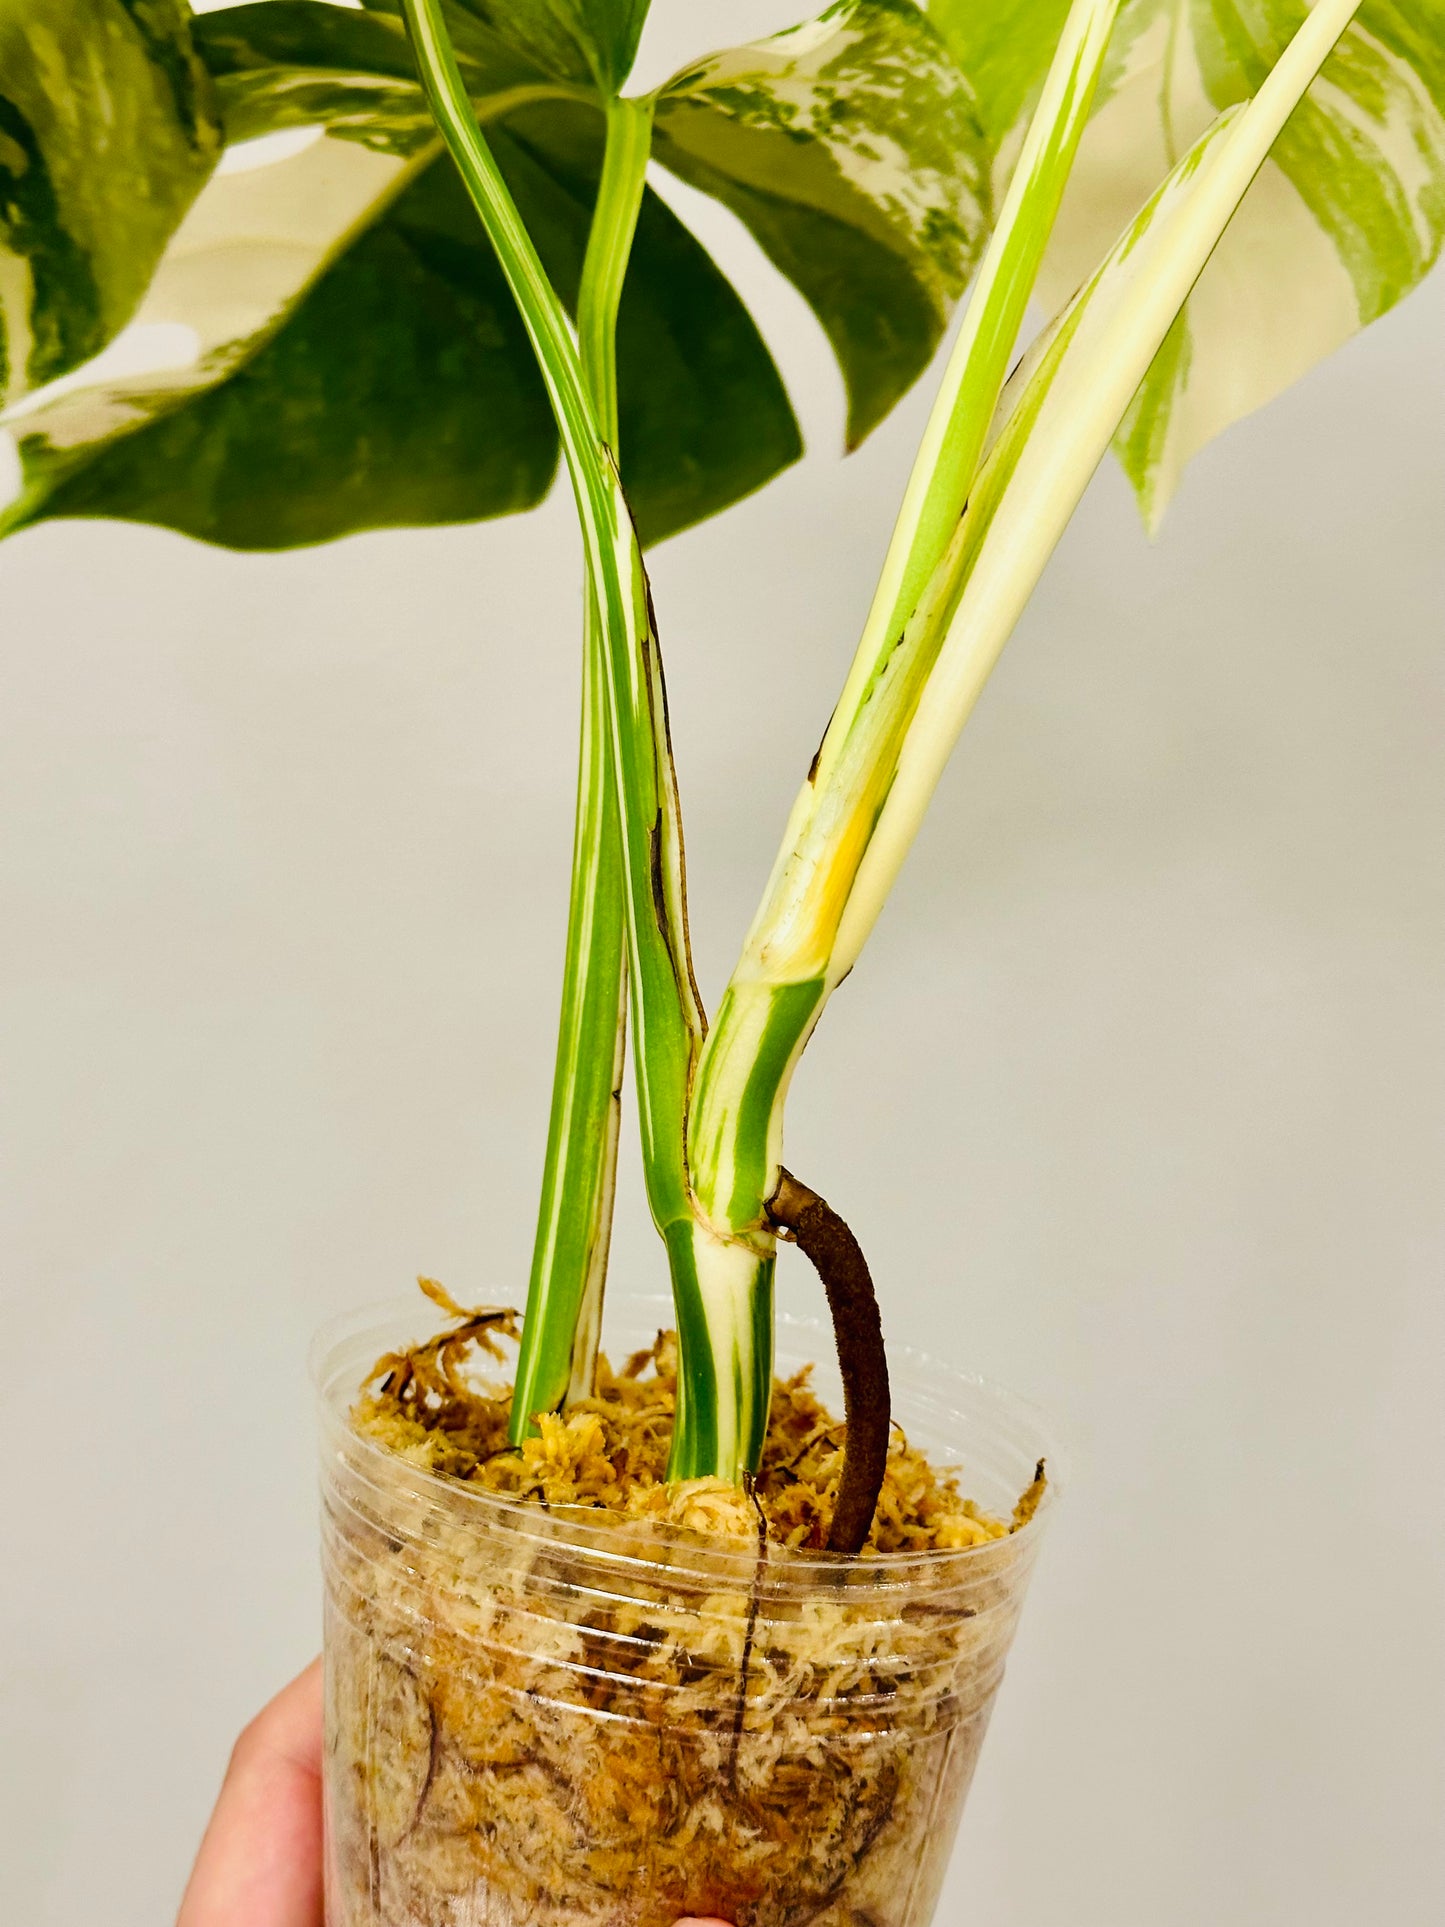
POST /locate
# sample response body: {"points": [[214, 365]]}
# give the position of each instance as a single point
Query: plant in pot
{"points": [[610, 1645]]}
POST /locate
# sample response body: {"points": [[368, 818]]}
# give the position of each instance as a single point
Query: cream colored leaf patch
{"points": [[108, 130], [254, 242], [849, 146], [1346, 217]]}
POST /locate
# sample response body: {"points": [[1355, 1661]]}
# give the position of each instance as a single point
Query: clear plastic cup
{"points": [[536, 1719]]}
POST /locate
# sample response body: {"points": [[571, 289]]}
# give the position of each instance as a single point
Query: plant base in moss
{"points": [[562, 1693]]}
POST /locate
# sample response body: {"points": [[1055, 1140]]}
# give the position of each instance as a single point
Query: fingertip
{"points": [[260, 1861], [288, 1728]]}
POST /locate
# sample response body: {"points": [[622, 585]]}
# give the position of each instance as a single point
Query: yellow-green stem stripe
{"points": [[667, 1016], [574, 1219]]}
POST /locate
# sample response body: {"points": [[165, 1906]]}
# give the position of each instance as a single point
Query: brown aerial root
{"points": [[837, 1257]]}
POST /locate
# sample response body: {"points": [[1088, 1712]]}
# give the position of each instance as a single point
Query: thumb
{"points": [[260, 1862]]}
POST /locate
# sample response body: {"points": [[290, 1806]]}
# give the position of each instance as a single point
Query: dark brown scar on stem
{"points": [[818, 752], [656, 685], [663, 920], [659, 884], [835, 1254]]}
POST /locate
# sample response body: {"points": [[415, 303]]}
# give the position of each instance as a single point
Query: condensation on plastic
{"points": [[535, 1718]]}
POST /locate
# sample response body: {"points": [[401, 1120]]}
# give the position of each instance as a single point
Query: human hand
{"points": [[260, 1861]]}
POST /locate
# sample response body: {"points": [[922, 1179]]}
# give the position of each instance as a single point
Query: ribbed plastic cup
{"points": [[549, 1719]]}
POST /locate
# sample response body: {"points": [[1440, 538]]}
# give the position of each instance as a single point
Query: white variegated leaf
{"points": [[1346, 217], [378, 374], [1057, 418], [107, 131], [328, 343], [850, 148], [250, 247]]}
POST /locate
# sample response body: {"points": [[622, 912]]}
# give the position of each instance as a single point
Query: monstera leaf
{"points": [[1346, 217], [327, 344], [107, 133], [850, 149], [585, 40]]}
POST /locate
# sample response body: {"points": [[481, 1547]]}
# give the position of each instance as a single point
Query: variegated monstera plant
{"points": [[276, 273]]}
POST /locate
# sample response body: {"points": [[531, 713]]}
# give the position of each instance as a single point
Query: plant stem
{"points": [[721, 1283], [558, 1354], [953, 441], [609, 248], [870, 786], [1063, 409], [788, 966]]}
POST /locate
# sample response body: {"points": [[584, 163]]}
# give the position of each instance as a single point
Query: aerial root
{"points": [[837, 1257]]}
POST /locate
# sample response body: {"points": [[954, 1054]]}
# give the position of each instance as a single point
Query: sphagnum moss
{"points": [[702, 1717], [609, 1452]]}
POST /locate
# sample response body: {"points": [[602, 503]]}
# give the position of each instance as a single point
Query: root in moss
{"points": [[521, 1738], [433, 1406], [740, 1712]]}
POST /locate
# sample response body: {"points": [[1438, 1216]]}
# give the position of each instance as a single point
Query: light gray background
{"points": [[1135, 1101]]}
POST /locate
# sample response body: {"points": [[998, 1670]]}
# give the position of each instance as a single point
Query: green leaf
{"points": [[850, 149], [322, 430], [578, 38], [107, 132], [704, 417], [586, 42], [1348, 215], [1004, 47], [323, 356], [399, 388], [273, 395], [613, 29]]}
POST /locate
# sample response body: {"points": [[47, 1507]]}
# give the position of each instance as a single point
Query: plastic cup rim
{"points": [[591, 1540]]}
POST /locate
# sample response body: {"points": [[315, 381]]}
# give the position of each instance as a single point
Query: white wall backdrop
{"points": [[1136, 1101]]}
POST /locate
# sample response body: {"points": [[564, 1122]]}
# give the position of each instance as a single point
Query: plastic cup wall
{"points": [[536, 1717]]}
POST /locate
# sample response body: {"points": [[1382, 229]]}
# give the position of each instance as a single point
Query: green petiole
{"points": [[788, 965], [574, 1220], [722, 1400], [997, 478]]}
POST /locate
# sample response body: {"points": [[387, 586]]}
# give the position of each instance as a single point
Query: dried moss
{"points": [[609, 1452], [525, 1729]]}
